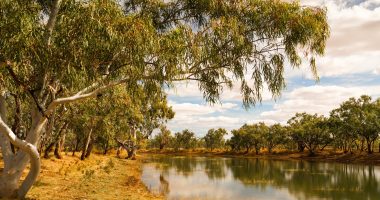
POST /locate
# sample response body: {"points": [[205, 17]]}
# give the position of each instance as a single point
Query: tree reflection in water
{"points": [[300, 179]]}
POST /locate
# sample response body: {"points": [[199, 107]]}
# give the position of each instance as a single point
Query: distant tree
{"points": [[359, 118], [311, 130], [215, 138], [248, 137], [276, 135], [185, 139], [164, 137]]}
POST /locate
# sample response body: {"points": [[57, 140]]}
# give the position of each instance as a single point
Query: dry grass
{"points": [[99, 177]]}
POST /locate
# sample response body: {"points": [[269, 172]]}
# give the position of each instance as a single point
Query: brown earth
{"points": [[99, 177]]}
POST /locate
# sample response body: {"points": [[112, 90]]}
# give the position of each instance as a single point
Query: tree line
{"points": [[353, 126]]}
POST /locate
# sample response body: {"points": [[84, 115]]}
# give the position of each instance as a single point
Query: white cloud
{"points": [[353, 46], [200, 118], [315, 99], [192, 109], [191, 89]]}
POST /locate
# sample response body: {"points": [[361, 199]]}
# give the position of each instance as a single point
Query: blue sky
{"points": [[350, 68]]}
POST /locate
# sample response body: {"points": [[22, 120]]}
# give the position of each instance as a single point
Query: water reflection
{"points": [[237, 178]]}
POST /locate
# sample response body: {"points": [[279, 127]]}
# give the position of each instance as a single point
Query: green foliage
{"points": [[185, 139], [163, 138], [358, 118], [215, 138], [276, 135], [248, 137], [311, 130]]}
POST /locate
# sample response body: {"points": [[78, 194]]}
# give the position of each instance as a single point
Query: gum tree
{"points": [[311, 130], [215, 138], [276, 135], [55, 52]]}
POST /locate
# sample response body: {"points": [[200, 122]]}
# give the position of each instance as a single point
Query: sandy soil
{"points": [[100, 177]]}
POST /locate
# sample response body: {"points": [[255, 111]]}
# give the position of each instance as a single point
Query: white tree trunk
{"points": [[15, 164], [84, 151]]}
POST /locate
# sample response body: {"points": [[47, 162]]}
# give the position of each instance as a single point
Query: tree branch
{"points": [[51, 22]]}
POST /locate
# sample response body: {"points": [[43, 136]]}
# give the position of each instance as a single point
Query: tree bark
{"points": [[89, 149], [8, 182], [369, 147], [76, 146], [84, 151], [61, 141]]}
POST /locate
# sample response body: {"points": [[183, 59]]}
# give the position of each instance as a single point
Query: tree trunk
{"points": [[14, 164], [369, 147], [61, 141], [76, 146], [132, 153], [89, 149], [84, 151], [247, 150], [106, 148], [301, 146], [48, 150]]}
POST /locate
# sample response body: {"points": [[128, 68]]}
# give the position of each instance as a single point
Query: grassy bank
{"points": [[99, 177], [323, 156]]}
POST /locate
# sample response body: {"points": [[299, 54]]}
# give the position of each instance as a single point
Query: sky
{"points": [[349, 68]]}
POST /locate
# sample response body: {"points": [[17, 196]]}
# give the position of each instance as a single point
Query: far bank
{"points": [[323, 156]]}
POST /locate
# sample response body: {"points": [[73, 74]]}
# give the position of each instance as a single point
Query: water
{"points": [[240, 178]]}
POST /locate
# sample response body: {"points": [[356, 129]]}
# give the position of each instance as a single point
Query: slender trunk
{"points": [[361, 145], [83, 156], [118, 152], [132, 150], [270, 149], [89, 149], [76, 146], [105, 149], [132, 153], [61, 142], [369, 146], [247, 150], [48, 150], [301, 146]]}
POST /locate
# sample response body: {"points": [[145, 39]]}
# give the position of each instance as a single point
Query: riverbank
{"points": [[99, 177], [324, 156]]}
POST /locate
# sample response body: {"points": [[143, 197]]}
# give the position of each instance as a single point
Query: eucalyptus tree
{"points": [[164, 137], [255, 135], [215, 138], [55, 52], [359, 118], [311, 130], [185, 139], [276, 135], [248, 137]]}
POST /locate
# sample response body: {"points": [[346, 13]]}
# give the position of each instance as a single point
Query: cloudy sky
{"points": [[350, 68]]}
